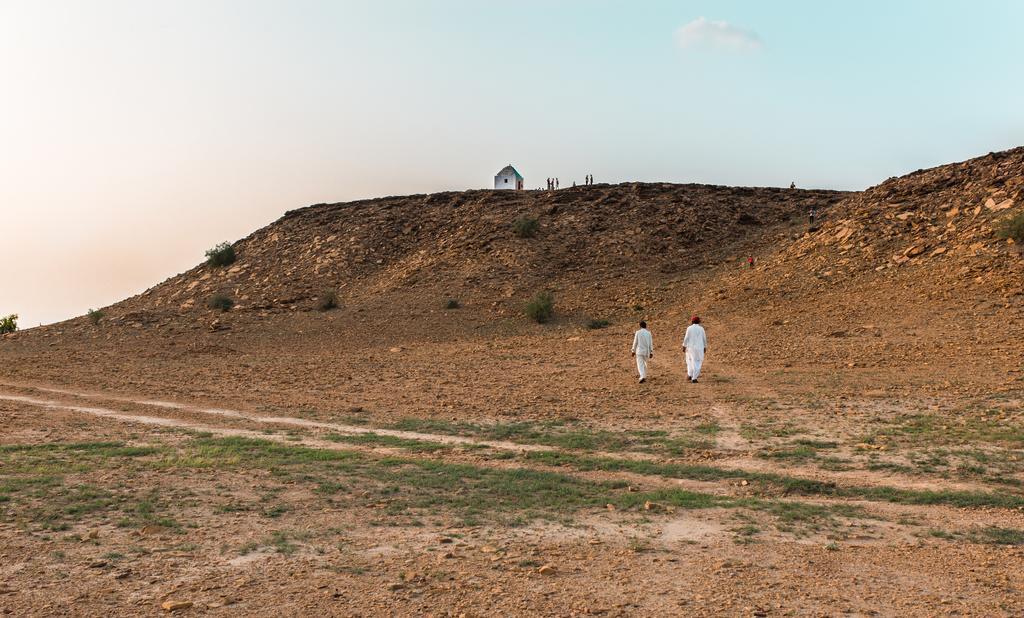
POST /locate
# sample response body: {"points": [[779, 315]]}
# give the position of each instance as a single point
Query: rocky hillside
{"points": [[464, 245], [941, 219]]}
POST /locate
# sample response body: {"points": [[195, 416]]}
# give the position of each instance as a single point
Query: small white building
{"points": [[509, 179]]}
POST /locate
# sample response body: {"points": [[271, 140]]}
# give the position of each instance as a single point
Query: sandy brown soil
{"points": [[856, 446]]}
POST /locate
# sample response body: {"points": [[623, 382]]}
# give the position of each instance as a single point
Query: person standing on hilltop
{"points": [[642, 350], [556, 182], [792, 185], [695, 344]]}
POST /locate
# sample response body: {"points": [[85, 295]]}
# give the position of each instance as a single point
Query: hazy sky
{"points": [[136, 134]]}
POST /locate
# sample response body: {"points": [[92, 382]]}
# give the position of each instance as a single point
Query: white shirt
{"points": [[696, 339], [643, 343]]}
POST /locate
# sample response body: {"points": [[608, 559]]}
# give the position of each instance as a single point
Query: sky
{"points": [[136, 134]]}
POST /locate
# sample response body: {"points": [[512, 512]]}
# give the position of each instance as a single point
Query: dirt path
{"points": [[742, 462]]}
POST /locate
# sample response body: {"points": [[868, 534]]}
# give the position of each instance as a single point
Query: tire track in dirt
{"points": [[858, 477], [301, 422]]}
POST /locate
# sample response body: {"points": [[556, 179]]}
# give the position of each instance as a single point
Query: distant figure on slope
{"points": [[750, 262], [811, 215], [643, 350], [695, 344], [556, 182], [792, 185]]}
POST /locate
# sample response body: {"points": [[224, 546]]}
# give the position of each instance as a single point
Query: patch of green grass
{"points": [[797, 454], [816, 444], [374, 439], [1001, 536], [767, 429], [787, 484], [32, 482], [276, 511], [405, 487], [709, 429], [929, 430], [561, 435], [97, 449], [992, 535], [281, 541]]}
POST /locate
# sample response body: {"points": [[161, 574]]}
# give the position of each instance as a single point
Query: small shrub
{"points": [[1012, 228], [526, 227], [452, 304], [95, 315], [220, 301], [328, 300], [541, 307], [596, 324], [9, 324], [221, 255]]}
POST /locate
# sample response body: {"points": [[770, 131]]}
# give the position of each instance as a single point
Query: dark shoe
{"points": [[693, 381], [642, 380], [689, 378]]}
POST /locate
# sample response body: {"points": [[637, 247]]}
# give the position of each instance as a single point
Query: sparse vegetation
{"points": [[526, 227], [221, 255], [8, 324], [452, 304], [598, 324], [327, 300], [1012, 228], [541, 307], [221, 302], [95, 315]]}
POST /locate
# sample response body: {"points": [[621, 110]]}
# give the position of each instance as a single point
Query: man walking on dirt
{"points": [[643, 350], [695, 344]]}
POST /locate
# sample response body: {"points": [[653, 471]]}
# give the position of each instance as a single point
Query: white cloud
{"points": [[704, 33]]}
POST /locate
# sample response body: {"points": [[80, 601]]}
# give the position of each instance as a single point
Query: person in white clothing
{"points": [[643, 350], [695, 344]]}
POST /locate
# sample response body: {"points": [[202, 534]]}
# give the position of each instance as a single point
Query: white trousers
{"points": [[641, 365], [694, 359]]}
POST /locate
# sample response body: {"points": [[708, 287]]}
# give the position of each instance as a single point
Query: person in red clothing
{"points": [[750, 262]]}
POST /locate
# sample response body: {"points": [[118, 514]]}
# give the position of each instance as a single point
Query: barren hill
{"points": [[590, 242], [904, 285]]}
